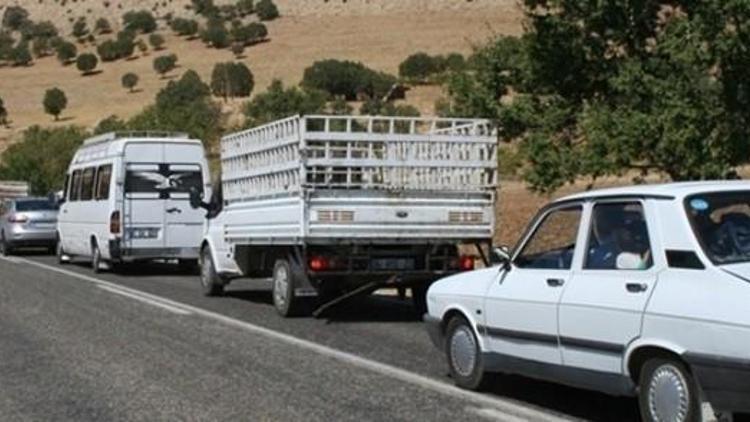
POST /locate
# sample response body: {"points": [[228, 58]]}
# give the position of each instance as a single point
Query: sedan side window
{"points": [[554, 241], [618, 238]]}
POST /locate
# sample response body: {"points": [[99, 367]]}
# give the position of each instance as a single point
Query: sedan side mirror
{"points": [[500, 256]]}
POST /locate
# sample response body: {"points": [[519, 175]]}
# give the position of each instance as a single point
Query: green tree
{"points": [[44, 29], [278, 102], [184, 27], [245, 7], [156, 41], [418, 67], [266, 10], [216, 34], [231, 80], [110, 124], [238, 49], [54, 102], [41, 46], [3, 114], [142, 46], [14, 17], [164, 64], [103, 26], [86, 63], [252, 33], [129, 81], [141, 20], [205, 7], [20, 54], [347, 78], [6, 45], [80, 29], [66, 51], [42, 157]]}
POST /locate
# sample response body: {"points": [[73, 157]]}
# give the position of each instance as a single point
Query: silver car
{"points": [[28, 222]]}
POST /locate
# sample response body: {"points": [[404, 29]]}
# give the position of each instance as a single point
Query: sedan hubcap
{"points": [[280, 284], [463, 351], [668, 395]]}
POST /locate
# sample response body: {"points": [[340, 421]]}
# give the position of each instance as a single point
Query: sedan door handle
{"points": [[636, 287], [555, 282]]}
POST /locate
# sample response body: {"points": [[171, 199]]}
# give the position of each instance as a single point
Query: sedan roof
{"points": [[664, 191]]}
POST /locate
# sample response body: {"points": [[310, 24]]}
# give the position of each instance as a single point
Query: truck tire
{"points": [[211, 282], [285, 280], [667, 391], [96, 259], [419, 298]]}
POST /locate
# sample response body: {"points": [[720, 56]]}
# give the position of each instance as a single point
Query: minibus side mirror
{"points": [[196, 199]]}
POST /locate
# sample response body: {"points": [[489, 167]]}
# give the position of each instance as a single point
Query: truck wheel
{"points": [[284, 283], [668, 392], [211, 282], [419, 298], [96, 259], [464, 355], [188, 266]]}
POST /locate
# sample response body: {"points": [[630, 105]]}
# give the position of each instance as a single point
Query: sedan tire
{"points": [[464, 355], [668, 392]]}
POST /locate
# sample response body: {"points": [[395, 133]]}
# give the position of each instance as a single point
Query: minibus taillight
{"points": [[114, 222]]}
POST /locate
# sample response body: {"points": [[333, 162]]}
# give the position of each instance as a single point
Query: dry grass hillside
{"points": [[380, 33]]}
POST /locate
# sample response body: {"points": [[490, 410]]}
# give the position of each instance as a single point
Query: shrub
{"points": [[205, 7], [3, 114], [122, 47], [110, 124], [238, 49], [418, 67], [346, 78], [41, 47], [44, 29], [454, 62], [184, 27], [54, 102], [20, 55], [108, 51], [164, 64], [156, 41], [142, 46], [142, 21], [6, 45], [231, 80], [103, 26], [267, 10], [66, 51], [249, 34], [14, 17], [245, 7], [279, 102], [80, 29], [129, 81], [216, 34], [41, 157], [86, 62]]}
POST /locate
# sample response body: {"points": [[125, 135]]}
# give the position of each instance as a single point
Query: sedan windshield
{"points": [[721, 222], [36, 205]]}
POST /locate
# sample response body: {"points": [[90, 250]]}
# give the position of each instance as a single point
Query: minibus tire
{"points": [[211, 282]]}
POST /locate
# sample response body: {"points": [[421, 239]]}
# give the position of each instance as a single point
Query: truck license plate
{"points": [[393, 264]]}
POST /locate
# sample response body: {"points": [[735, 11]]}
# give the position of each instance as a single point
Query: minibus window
{"points": [[164, 179], [103, 178], [87, 184], [75, 185]]}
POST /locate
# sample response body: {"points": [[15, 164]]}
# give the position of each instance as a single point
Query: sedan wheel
{"points": [[668, 392], [464, 355]]}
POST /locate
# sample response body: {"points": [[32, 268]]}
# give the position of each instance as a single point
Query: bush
{"points": [[142, 21], [80, 29], [66, 51], [103, 26], [41, 47], [216, 34], [347, 79], [54, 102], [6, 45], [205, 7], [164, 64], [418, 67], [267, 10], [129, 81], [42, 157], [249, 34], [3, 114], [231, 80], [156, 41], [122, 47], [245, 7], [110, 124], [108, 51], [86, 62], [142, 46], [14, 17], [184, 27], [44, 29], [20, 55], [238, 49], [278, 102]]}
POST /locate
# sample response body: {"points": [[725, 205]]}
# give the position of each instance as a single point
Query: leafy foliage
{"points": [[419, 67], [54, 102], [245, 7], [184, 27], [251, 33], [103, 26], [41, 157], [231, 80], [266, 10], [66, 51], [156, 41], [141, 20], [80, 29], [205, 7], [129, 81], [278, 102], [216, 34], [86, 62], [110, 124], [348, 79], [20, 54], [164, 64], [14, 17], [121, 47]]}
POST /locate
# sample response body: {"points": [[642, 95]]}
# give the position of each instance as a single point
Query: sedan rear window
{"points": [[721, 223], [36, 205]]}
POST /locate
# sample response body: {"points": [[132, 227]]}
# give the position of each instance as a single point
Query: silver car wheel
{"points": [[280, 285], [463, 347], [668, 395]]}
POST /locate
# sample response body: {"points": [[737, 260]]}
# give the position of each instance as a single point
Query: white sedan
{"points": [[630, 291]]}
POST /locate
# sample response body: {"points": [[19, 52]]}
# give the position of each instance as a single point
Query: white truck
{"points": [[333, 206]]}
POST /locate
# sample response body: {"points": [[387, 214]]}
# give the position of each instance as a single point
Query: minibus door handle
{"points": [[173, 210]]}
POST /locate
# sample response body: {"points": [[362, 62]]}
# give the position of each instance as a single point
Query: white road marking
{"points": [[510, 410], [169, 308], [10, 259], [493, 414]]}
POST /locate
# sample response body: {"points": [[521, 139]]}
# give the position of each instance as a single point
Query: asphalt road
{"points": [[146, 345]]}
